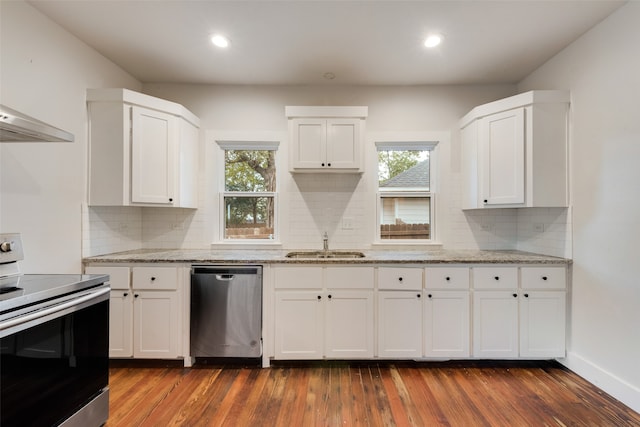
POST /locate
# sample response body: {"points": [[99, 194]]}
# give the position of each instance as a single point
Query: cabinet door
{"points": [[349, 324], [446, 324], [156, 332], [542, 324], [121, 324], [298, 325], [153, 137], [309, 139], [502, 157], [495, 324], [400, 324], [343, 148]]}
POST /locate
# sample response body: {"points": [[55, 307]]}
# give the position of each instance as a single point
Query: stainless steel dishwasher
{"points": [[226, 311]]}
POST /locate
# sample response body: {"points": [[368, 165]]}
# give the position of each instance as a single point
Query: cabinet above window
{"points": [[326, 139], [515, 152], [143, 151]]}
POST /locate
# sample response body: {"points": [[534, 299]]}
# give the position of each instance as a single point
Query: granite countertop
{"points": [[267, 256]]}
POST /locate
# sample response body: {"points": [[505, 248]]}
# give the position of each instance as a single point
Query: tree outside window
{"points": [[249, 198]]}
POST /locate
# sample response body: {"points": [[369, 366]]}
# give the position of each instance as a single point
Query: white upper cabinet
{"points": [[143, 151], [326, 139], [514, 152]]}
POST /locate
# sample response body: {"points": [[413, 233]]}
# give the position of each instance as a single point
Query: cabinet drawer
{"points": [[543, 277], [297, 277], [349, 277], [118, 276], [495, 277], [398, 278], [447, 278], [154, 278]]}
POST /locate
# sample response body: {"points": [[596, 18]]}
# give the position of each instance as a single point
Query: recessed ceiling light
{"points": [[433, 40], [219, 40]]}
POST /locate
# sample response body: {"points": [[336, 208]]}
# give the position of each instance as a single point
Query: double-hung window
{"points": [[405, 197], [248, 202]]}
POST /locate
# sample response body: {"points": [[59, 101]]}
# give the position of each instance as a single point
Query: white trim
{"points": [[615, 386], [406, 145], [249, 145], [325, 111]]}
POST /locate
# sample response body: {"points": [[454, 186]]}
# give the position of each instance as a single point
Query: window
{"points": [[406, 200], [249, 197]]}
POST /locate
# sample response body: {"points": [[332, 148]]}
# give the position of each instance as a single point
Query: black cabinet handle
{"points": [[544, 277], [486, 201], [418, 295], [515, 295], [170, 199], [400, 279], [526, 295], [329, 296], [136, 295], [153, 279], [497, 277], [125, 294], [319, 297], [447, 278], [329, 164], [322, 164], [429, 295]]}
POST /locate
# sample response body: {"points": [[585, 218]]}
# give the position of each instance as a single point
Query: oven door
{"points": [[55, 361]]}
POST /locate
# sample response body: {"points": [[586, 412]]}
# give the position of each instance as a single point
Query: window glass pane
{"points": [[403, 170], [249, 170], [248, 217], [405, 218]]}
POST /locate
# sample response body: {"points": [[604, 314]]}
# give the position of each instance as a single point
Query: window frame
{"points": [[248, 144], [420, 144]]}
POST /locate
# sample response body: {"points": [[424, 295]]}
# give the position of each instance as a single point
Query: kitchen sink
{"points": [[325, 254]]}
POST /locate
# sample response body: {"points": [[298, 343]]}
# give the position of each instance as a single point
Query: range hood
{"points": [[18, 127]]}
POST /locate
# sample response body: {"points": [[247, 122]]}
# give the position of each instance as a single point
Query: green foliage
{"points": [[392, 163], [249, 171]]}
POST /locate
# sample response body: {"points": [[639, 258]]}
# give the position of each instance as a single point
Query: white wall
{"points": [[44, 72], [602, 71]]}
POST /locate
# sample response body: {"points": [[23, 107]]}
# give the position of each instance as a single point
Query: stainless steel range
{"points": [[54, 339]]}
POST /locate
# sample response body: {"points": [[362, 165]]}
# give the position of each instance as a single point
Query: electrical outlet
{"points": [[538, 228], [347, 223]]}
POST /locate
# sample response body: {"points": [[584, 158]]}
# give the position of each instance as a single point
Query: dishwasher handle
{"points": [[225, 277]]}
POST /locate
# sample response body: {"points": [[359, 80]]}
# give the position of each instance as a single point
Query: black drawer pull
{"points": [[544, 277], [515, 295], [447, 278], [497, 277]]}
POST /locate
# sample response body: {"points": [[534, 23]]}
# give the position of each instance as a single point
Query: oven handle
{"points": [[40, 316]]}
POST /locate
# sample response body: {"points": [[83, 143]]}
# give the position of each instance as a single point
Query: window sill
{"points": [[405, 244], [247, 244]]}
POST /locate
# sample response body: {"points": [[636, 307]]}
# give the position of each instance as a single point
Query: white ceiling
{"points": [[297, 42]]}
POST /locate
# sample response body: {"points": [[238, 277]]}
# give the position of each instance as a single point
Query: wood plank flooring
{"points": [[476, 393]]}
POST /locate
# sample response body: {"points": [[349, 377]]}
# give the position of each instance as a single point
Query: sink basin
{"points": [[325, 254]]}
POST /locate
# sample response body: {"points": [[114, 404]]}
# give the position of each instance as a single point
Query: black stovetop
{"points": [[28, 289]]}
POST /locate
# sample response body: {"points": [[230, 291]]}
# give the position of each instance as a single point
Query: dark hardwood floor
{"points": [[360, 394]]}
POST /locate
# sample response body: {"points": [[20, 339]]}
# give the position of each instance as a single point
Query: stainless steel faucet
{"points": [[325, 241]]}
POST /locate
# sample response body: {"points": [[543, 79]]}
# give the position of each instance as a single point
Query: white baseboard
{"points": [[615, 386]]}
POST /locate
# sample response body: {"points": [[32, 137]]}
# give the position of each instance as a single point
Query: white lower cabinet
{"points": [[495, 324], [144, 311], [299, 325], [526, 320], [334, 320], [446, 324], [478, 311], [349, 324], [400, 324], [446, 312], [400, 312]]}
